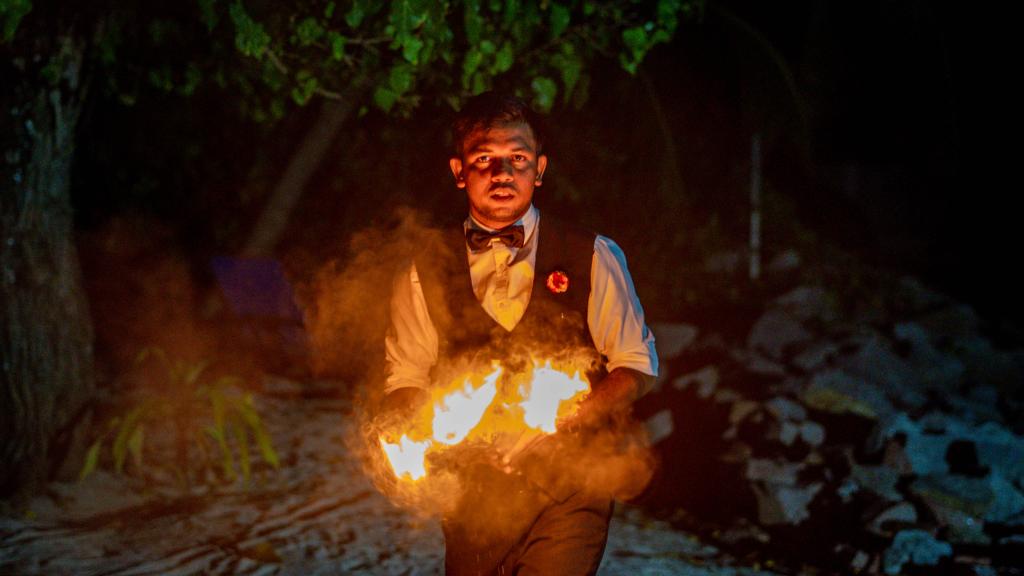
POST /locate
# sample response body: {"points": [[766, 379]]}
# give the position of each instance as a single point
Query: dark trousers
{"points": [[506, 526]]}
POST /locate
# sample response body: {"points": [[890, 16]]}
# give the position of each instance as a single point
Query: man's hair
{"points": [[492, 109]]}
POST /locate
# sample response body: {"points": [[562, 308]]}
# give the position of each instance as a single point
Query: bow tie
{"points": [[481, 239]]}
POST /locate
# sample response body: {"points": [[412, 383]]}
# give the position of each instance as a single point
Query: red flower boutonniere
{"points": [[558, 282]]}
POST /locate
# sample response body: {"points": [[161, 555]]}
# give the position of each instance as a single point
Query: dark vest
{"points": [[554, 325]]}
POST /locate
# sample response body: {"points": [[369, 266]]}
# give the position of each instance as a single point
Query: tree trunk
{"points": [[311, 152], [46, 378]]}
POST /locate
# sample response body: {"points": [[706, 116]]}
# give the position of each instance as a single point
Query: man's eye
{"points": [[482, 159], [518, 158]]}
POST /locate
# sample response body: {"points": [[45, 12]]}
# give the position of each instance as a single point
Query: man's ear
{"points": [[456, 165], [542, 165]]}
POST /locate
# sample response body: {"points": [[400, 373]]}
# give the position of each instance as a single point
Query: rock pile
{"points": [[870, 444]]}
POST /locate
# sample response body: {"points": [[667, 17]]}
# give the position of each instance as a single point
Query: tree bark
{"points": [[46, 378]]}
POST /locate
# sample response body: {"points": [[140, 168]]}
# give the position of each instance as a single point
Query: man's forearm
{"points": [[621, 388], [612, 395], [405, 399]]}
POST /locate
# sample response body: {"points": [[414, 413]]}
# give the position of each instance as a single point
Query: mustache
{"points": [[500, 185]]}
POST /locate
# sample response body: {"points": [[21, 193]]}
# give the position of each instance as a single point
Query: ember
{"points": [[483, 412]]}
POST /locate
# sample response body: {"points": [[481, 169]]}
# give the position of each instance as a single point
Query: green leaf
{"points": [[488, 47], [384, 98], [242, 440], [124, 432], [355, 14], [191, 373], [544, 90], [92, 458], [473, 22], [11, 13], [252, 418], [411, 49], [160, 78], [208, 14], [227, 463], [478, 84], [135, 446], [307, 85], [637, 42], [329, 10], [635, 39], [250, 37], [400, 79], [470, 63], [667, 14], [337, 42], [569, 67], [559, 19], [504, 59], [309, 31], [217, 403], [192, 78]]}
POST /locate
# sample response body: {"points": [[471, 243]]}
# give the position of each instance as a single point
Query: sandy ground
{"points": [[317, 514]]}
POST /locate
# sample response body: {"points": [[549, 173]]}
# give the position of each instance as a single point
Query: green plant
{"points": [[209, 414]]}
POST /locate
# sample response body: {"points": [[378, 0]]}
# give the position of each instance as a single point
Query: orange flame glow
{"points": [[548, 389], [544, 394], [407, 458], [461, 411]]}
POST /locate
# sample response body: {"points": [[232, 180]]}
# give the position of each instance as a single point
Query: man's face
{"points": [[499, 168]]}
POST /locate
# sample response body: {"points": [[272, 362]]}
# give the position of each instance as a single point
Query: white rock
{"points": [[672, 338], [660, 426], [812, 433]]}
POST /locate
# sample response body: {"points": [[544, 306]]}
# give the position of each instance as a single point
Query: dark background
{"points": [[875, 117]]}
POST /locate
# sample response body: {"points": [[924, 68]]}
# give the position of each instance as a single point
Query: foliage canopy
{"points": [[387, 55]]}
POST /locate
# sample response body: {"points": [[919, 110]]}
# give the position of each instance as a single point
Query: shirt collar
{"points": [[528, 221]]}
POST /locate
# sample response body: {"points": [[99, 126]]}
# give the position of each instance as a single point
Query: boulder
{"points": [[928, 441], [659, 426], [964, 504], [876, 362], [893, 519], [807, 303], [933, 368], [786, 409], [839, 392], [672, 338], [913, 297], [812, 433], [775, 332], [815, 356], [705, 380], [781, 499], [914, 547], [880, 480], [781, 504]]}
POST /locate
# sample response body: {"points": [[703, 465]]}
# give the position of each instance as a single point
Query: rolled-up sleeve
{"points": [[410, 347], [615, 315]]}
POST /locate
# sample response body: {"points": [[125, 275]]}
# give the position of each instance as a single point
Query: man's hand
{"points": [[403, 402], [610, 397]]}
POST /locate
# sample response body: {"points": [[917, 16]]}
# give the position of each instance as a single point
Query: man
{"points": [[511, 283]]}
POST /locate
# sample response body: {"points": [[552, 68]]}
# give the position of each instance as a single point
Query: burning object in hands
{"points": [[507, 415]]}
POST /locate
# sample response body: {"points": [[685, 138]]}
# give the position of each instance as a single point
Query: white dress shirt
{"points": [[502, 279]]}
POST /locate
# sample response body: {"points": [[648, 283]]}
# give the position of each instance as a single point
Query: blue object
{"points": [[256, 288]]}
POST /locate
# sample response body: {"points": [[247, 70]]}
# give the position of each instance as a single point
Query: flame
{"points": [[548, 389], [407, 458], [461, 411], [533, 408]]}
